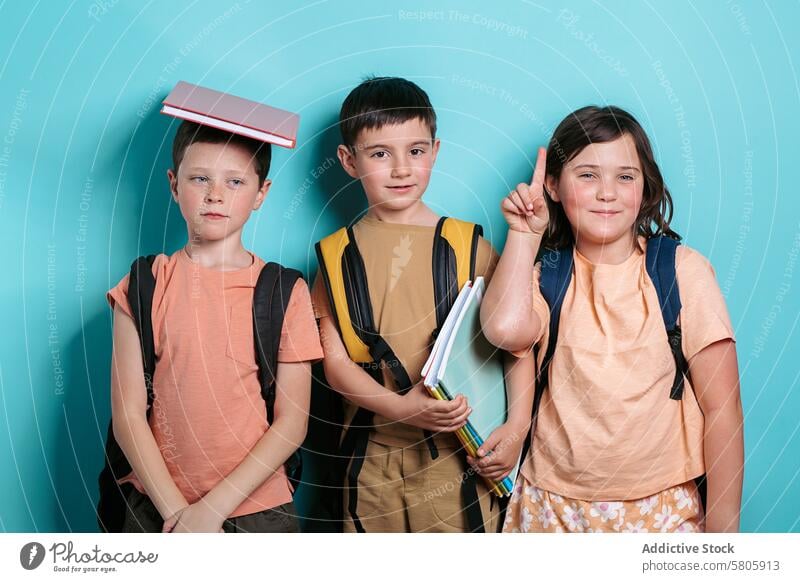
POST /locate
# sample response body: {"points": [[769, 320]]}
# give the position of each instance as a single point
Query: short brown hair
{"points": [[594, 124], [380, 101], [190, 132]]}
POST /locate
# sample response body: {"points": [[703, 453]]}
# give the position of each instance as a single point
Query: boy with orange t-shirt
{"points": [[206, 459]]}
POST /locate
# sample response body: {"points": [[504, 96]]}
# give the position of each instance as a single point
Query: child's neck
{"points": [[608, 253], [415, 215], [227, 254]]}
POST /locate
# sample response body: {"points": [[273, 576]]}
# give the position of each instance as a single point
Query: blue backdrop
{"points": [[84, 151]]}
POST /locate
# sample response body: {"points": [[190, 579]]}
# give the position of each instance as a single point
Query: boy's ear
{"points": [[551, 185], [435, 148], [262, 193], [347, 157], [172, 176]]}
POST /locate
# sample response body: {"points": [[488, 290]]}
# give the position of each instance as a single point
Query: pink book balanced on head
{"points": [[233, 114]]}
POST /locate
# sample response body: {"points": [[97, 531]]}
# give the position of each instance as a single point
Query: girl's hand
{"points": [[500, 452], [422, 410], [525, 209], [195, 518]]}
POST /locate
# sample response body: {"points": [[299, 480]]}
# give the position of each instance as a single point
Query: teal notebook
{"points": [[464, 362]]}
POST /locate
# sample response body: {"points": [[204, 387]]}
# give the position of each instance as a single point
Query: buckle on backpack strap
{"points": [[681, 365]]}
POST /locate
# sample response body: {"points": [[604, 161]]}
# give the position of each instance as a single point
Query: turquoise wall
{"points": [[84, 151]]}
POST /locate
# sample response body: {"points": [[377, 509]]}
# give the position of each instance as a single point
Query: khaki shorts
{"points": [[141, 516], [404, 490]]}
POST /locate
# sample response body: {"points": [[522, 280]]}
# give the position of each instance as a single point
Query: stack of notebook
{"points": [[463, 361]]}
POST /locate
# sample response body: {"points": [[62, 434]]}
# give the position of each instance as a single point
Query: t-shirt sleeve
{"points": [[540, 308], [704, 317], [299, 335], [319, 297], [119, 296]]}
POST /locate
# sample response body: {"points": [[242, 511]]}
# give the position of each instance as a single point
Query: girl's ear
{"points": [[551, 186], [172, 176], [262, 193], [347, 157]]}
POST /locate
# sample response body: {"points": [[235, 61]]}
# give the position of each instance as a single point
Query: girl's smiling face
{"points": [[601, 192]]}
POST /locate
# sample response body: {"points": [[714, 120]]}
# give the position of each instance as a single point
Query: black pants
{"points": [[141, 516]]}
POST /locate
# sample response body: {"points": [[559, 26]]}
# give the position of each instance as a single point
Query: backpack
{"points": [[556, 274], [455, 245], [270, 301]]}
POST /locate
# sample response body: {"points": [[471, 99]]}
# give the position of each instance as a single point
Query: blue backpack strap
{"points": [[554, 280], [557, 266], [660, 261]]}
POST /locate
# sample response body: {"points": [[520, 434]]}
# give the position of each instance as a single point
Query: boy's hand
{"points": [[422, 410], [500, 452], [195, 518], [169, 523], [525, 209]]}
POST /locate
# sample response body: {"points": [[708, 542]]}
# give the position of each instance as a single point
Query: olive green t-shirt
{"points": [[398, 259]]}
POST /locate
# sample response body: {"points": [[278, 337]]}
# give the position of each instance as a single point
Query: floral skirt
{"points": [[677, 509]]}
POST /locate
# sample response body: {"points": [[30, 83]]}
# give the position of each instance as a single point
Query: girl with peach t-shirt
{"points": [[610, 450]]}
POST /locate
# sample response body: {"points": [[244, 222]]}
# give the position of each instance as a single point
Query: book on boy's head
{"points": [[233, 114], [462, 361]]}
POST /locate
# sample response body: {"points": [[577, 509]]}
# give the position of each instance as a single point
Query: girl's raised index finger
{"points": [[539, 169]]}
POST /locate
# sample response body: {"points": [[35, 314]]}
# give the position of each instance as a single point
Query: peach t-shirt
{"points": [[607, 429], [208, 412]]}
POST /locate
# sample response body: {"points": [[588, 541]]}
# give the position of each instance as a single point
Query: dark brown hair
{"points": [[594, 124], [380, 101], [190, 132]]}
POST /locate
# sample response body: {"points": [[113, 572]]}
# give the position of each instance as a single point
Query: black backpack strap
{"points": [[660, 261], [445, 267], [141, 287], [360, 306], [445, 278], [354, 450], [112, 501], [470, 501], [271, 297]]}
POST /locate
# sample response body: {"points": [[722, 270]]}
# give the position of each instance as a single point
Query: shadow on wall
{"points": [[340, 202], [341, 199]]}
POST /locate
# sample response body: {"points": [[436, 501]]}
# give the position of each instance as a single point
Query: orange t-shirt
{"points": [[607, 428], [208, 412]]}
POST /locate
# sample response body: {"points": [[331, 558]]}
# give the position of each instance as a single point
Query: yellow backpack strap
{"points": [[330, 253], [455, 249]]}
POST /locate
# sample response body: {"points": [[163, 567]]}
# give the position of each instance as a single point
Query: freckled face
{"points": [[217, 188]]}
